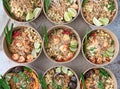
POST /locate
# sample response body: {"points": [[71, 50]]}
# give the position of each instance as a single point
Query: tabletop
{"points": [[5, 63]]}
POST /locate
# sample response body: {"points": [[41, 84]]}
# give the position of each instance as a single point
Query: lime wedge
{"points": [[72, 12], [104, 21], [96, 22], [29, 16], [67, 17], [36, 12]]}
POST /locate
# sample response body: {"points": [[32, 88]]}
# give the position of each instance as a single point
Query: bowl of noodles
{"points": [[25, 45], [99, 12], [23, 10], [100, 47], [61, 11], [63, 44], [22, 77]]}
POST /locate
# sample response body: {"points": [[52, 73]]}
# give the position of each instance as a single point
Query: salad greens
{"points": [[8, 34], [112, 5]]}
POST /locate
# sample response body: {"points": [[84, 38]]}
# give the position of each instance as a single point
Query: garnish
{"points": [[15, 34], [86, 39], [92, 48], [69, 1], [100, 85], [112, 42], [47, 5], [104, 73], [67, 32], [83, 80], [112, 5], [42, 81], [56, 86], [7, 6], [8, 34], [16, 80], [84, 2], [27, 69], [45, 35], [3, 83]]}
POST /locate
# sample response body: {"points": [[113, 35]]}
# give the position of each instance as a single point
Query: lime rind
{"points": [[29, 16], [72, 12], [36, 12], [104, 21], [96, 22], [67, 17]]}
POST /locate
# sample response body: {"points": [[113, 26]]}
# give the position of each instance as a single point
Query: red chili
{"points": [[15, 34], [66, 32]]}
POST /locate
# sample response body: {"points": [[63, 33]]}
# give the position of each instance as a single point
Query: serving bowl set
{"points": [[61, 43]]}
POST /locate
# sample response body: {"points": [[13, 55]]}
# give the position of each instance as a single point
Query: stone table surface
{"points": [[80, 66]]}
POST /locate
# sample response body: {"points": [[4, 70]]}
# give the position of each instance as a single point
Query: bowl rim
{"points": [[108, 70], [113, 37], [78, 82], [23, 21], [78, 39], [114, 17], [65, 23], [23, 66], [6, 48]]}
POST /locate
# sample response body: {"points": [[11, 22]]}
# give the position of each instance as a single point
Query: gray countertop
{"points": [[41, 64]]}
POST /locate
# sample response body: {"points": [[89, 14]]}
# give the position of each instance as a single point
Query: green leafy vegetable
{"points": [[83, 80], [3, 83], [55, 86], [27, 69], [84, 2], [112, 5], [7, 6], [45, 35], [16, 80], [104, 73], [8, 34], [92, 48], [69, 1], [112, 42], [42, 81], [100, 85], [47, 5]]}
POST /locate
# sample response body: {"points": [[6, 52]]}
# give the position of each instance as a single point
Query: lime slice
{"points": [[73, 49], [104, 21], [36, 12], [67, 17], [74, 43], [96, 22], [29, 16], [72, 12]]}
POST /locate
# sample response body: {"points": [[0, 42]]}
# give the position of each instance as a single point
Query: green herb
{"points": [[27, 69], [83, 80], [16, 80], [86, 40], [112, 5], [47, 5], [69, 1], [42, 81], [56, 86], [7, 6], [100, 85], [104, 73], [8, 34], [3, 83], [84, 2], [45, 35], [92, 48], [112, 42]]}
